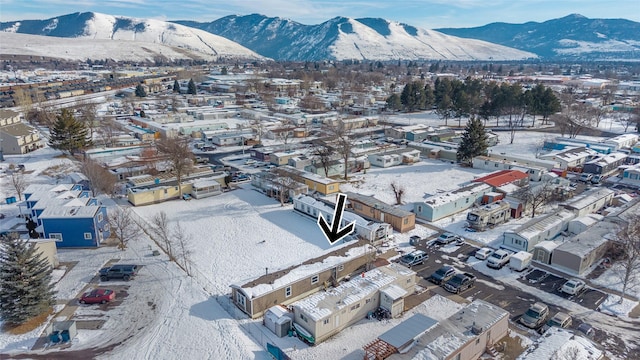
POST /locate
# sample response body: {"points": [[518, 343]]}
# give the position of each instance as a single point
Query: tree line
{"points": [[456, 99]]}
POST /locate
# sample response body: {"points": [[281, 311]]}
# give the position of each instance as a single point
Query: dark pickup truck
{"points": [[460, 283], [118, 271]]}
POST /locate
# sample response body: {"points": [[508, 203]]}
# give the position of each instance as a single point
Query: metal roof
{"points": [[408, 330]]}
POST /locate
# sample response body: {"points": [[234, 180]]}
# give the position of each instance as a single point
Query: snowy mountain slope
{"points": [[107, 27], [83, 49], [344, 38], [573, 35]]}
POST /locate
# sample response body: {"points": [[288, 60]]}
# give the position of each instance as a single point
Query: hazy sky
{"points": [[427, 14]]}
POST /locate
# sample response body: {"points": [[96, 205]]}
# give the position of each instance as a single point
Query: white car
{"points": [[573, 287], [483, 253]]}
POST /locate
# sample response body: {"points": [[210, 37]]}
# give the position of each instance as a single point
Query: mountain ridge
{"points": [[342, 38], [92, 25], [569, 37]]}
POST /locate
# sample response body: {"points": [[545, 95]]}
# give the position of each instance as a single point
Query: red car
{"points": [[97, 296]]}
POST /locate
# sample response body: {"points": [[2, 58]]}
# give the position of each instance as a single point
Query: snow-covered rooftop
{"points": [[304, 271], [543, 223], [561, 344], [325, 303], [461, 193]]}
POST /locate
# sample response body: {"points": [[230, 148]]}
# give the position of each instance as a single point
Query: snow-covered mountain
{"points": [[344, 38], [90, 25], [570, 37], [81, 49]]}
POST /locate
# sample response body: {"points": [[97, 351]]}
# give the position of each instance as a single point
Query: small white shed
{"points": [[278, 319], [392, 299]]}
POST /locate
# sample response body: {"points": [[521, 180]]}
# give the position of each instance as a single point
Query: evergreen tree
{"points": [[394, 103], [25, 280], [140, 92], [191, 87], [474, 141], [68, 134], [224, 71], [176, 86]]}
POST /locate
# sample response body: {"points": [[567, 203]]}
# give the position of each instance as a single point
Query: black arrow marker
{"points": [[334, 234]]}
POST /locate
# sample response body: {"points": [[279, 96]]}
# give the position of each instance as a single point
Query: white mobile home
{"points": [[326, 313], [370, 230], [539, 229], [590, 201], [442, 205]]}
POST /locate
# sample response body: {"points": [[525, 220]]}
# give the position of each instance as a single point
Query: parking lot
{"points": [[487, 288], [589, 298]]}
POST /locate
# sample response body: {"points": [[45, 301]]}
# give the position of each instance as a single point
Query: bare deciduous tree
{"points": [[18, 182], [398, 192], [341, 143], [101, 180], [107, 131], [177, 152], [161, 230], [628, 241], [182, 240], [88, 115], [535, 197], [323, 153], [123, 227]]}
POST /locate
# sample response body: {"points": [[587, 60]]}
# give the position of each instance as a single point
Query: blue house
{"points": [[75, 226], [67, 213]]}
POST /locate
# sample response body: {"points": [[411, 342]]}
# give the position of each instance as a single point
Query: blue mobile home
{"points": [[75, 226]]}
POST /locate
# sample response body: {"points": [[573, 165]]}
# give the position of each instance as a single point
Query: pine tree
{"points": [[191, 87], [474, 141], [68, 134], [25, 280], [140, 92], [176, 86]]}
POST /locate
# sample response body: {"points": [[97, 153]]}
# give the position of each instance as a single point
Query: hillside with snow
{"points": [[96, 26], [570, 37], [344, 38]]}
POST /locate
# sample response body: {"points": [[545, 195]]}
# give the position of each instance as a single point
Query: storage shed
{"points": [[392, 299], [543, 251], [278, 319]]}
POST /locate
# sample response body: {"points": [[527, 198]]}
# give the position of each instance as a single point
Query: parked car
{"points": [[484, 253], [447, 238], [414, 258], [586, 329], [249, 162], [499, 259], [535, 316], [585, 177], [597, 179], [460, 282], [97, 296], [442, 275], [560, 319], [118, 271], [573, 287]]}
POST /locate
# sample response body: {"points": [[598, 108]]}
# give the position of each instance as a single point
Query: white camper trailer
{"points": [[489, 215]]}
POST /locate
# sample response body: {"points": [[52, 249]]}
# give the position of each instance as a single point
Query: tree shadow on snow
{"points": [[209, 310]]}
